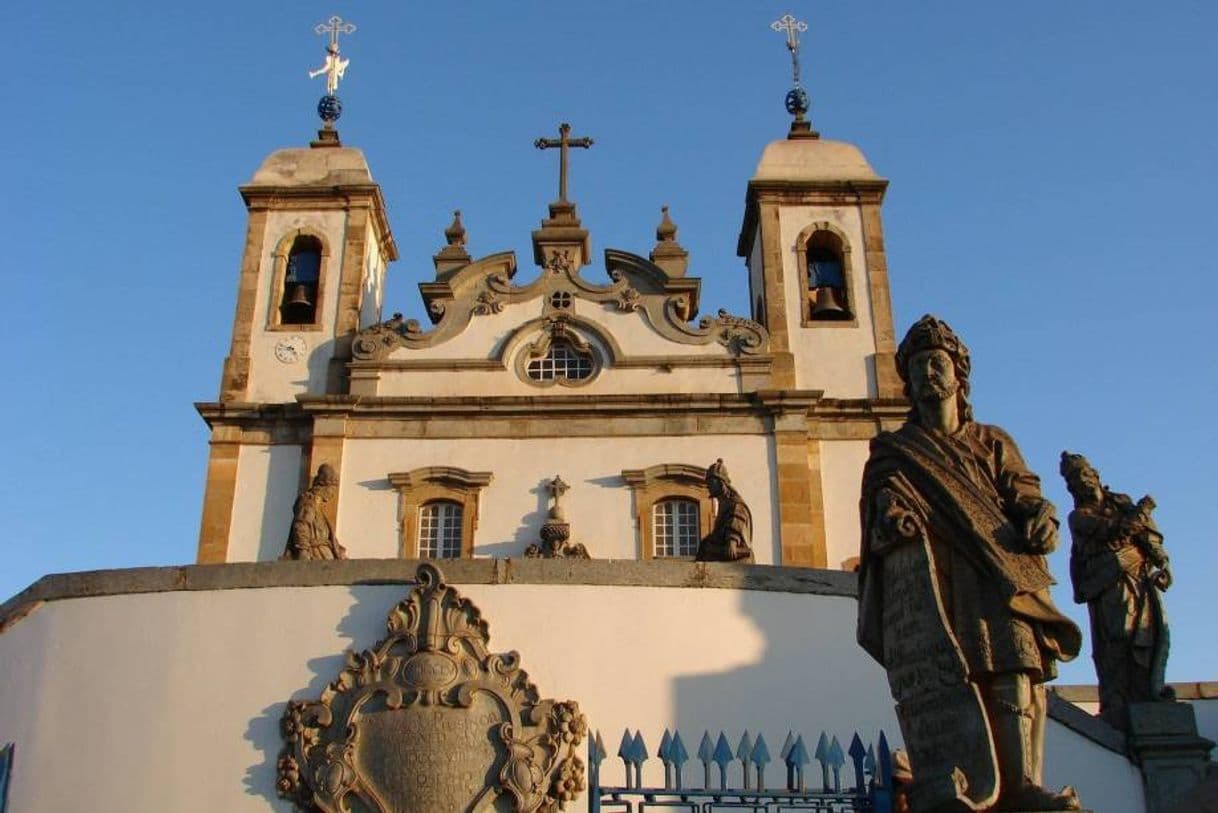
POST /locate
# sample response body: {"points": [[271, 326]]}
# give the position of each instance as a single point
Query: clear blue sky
{"points": [[1050, 164]]}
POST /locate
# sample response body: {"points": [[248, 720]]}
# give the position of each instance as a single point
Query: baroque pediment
{"points": [[665, 301], [429, 720]]}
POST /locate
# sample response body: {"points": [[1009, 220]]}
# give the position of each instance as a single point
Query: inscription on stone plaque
{"points": [[430, 721], [939, 710]]}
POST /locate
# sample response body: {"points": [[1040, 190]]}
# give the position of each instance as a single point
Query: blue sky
{"points": [[1050, 166]]}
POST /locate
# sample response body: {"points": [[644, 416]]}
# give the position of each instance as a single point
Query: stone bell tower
{"points": [[317, 246], [814, 246]]}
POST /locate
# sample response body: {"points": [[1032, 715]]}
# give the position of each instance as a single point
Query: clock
{"points": [[291, 349]]}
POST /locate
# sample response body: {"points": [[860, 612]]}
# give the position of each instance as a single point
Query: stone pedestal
{"points": [[1163, 739]]}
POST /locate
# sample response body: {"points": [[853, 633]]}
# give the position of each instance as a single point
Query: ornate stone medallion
{"points": [[429, 721]]}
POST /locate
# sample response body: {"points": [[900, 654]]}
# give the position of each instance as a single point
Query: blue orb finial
{"points": [[329, 108]]}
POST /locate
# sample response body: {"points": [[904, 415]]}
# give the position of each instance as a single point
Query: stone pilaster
{"points": [[888, 382], [1174, 757], [235, 379], [218, 495], [774, 283]]}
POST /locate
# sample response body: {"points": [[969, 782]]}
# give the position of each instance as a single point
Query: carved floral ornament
{"points": [[429, 720]]}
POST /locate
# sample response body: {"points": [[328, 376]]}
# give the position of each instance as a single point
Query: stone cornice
{"points": [[262, 197], [796, 193]]}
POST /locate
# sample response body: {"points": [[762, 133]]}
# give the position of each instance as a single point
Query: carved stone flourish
{"points": [[736, 333], [378, 341], [948, 503], [429, 721], [731, 539], [488, 302], [560, 262], [556, 532], [1118, 567], [312, 535], [629, 300]]}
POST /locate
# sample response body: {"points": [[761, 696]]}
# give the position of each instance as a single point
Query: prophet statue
{"points": [[312, 535], [731, 538], [954, 591], [1119, 569]]}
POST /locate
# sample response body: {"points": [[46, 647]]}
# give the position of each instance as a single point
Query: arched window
{"points": [[301, 281], [825, 267], [675, 528], [561, 361], [440, 524]]}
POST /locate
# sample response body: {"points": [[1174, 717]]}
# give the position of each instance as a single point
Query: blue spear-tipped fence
{"points": [[744, 788]]}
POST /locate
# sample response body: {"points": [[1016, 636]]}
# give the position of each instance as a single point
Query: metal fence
{"points": [[736, 778]]}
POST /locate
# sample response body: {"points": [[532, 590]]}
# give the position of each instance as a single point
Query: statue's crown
{"points": [[1072, 463], [932, 333], [719, 471]]}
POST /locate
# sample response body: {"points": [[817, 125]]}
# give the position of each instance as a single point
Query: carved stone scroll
{"points": [[430, 721]]}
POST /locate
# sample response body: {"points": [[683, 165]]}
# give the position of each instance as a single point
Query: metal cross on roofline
{"points": [[334, 26], [564, 142], [793, 29]]}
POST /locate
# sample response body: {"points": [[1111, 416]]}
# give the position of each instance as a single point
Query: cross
{"points": [[334, 26], [793, 27], [564, 142]]}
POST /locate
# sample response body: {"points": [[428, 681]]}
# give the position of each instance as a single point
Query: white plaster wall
{"points": [[268, 479], [1206, 711], [513, 507], [172, 701], [1106, 782], [373, 282], [610, 381], [271, 380], [841, 466], [835, 359]]}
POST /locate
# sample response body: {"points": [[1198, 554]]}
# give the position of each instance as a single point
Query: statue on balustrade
{"points": [[731, 538], [954, 591], [1119, 569], [312, 534]]}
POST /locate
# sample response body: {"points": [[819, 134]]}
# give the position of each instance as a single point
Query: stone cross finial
{"points": [[793, 29], [564, 142], [558, 487]]}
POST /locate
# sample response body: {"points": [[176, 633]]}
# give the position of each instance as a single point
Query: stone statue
{"points": [[312, 535], [731, 539], [954, 591], [1118, 567]]}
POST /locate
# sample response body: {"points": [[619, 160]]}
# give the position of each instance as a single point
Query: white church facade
{"points": [[445, 440]]}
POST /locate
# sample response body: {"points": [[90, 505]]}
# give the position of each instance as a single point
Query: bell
{"points": [[299, 307], [826, 306]]}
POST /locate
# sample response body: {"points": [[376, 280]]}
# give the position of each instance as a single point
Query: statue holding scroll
{"points": [[1118, 567], [954, 591]]}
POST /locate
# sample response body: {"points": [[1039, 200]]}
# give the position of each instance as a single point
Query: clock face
{"points": [[291, 349]]}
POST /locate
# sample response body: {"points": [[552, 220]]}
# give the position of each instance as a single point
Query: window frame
{"points": [[808, 295], [655, 526], [441, 526], [279, 259], [430, 484], [666, 481]]}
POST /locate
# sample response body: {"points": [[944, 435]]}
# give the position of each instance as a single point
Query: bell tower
{"points": [[813, 242], [317, 246]]}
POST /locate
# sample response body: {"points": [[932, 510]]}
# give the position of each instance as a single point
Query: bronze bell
{"points": [[299, 305], [826, 306]]}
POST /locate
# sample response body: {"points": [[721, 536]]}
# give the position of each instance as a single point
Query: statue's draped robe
{"points": [[1111, 571], [312, 536], [731, 539], [970, 492]]}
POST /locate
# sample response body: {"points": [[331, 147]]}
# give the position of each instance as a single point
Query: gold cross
{"points": [[564, 142]]}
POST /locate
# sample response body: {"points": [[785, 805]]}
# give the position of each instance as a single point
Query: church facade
{"points": [[585, 403]]}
